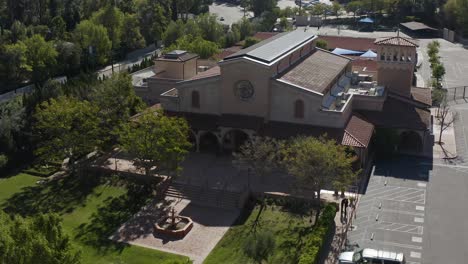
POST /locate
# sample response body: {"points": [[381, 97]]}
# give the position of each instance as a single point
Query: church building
{"points": [[285, 86]]}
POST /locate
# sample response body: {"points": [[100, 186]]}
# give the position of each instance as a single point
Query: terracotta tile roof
{"points": [[228, 52], [350, 43], [264, 35], [399, 114], [370, 65], [211, 72], [422, 95], [397, 41], [358, 132], [316, 72]]}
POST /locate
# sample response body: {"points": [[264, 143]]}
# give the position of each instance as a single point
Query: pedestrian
{"points": [[342, 206], [346, 203]]}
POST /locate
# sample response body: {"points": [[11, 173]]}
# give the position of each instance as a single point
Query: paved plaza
{"points": [[210, 225]]}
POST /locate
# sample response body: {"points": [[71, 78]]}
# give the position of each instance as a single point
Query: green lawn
{"points": [[290, 231], [91, 211]]}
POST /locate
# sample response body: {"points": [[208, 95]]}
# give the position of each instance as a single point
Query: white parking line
{"points": [[419, 220], [416, 239], [421, 184], [415, 254], [397, 245], [419, 208]]}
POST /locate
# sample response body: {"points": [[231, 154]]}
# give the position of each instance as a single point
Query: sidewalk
{"points": [[339, 237], [448, 149]]}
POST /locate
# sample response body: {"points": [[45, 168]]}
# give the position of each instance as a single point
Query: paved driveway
{"points": [[455, 59]]}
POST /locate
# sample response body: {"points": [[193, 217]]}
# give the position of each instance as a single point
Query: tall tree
{"points": [[94, 41], [131, 37], [154, 16], [14, 63], [261, 155], [156, 141], [42, 57], [117, 101], [260, 6], [112, 19], [66, 127], [39, 239], [317, 163]]}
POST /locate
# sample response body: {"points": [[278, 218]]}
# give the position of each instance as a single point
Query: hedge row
{"points": [[311, 250]]}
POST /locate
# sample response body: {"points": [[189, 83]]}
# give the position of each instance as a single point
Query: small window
{"points": [[299, 109], [195, 99], [382, 57]]}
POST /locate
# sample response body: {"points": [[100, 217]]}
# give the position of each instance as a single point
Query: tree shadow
{"points": [[60, 196], [110, 216]]}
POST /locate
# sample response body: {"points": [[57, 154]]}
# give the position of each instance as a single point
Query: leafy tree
{"points": [[42, 58], [156, 140], [317, 163], [336, 9], [438, 72], [18, 31], [284, 24], [260, 6], [131, 38], [353, 7], [322, 44], [117, 101], [174, 31], [210, 28], [38, 239], [66, 127], [69, 58], [57, 27], [14, 62], [12, 125], [246, 28], [3, 161], [93, 37], [260, 247], [154, 17], [259, 155], [112, 19], [250, 41]]}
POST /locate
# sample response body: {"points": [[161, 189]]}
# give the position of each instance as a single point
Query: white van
{"points": [[371, 256]]}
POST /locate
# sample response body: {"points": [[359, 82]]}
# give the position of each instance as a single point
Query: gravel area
{"points": [[210, 225]]}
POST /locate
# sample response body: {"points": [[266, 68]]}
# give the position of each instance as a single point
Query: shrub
{"points": [[259, 246], [311, 250], [3, 161]]}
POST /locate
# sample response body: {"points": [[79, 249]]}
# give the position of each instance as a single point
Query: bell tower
{"points": [[396, 59]]}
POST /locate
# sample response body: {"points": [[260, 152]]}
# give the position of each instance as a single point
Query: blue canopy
{"points": [[346, 52], [369, 54], [366, 20]]}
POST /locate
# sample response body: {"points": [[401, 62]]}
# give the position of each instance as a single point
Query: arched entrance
{"points": [[410, 141], [208, 143], [234, 139]]}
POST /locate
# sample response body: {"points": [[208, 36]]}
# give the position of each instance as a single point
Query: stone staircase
{"points": [[205, 196]]}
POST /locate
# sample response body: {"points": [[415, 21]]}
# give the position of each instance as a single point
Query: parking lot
{"points": [[391, 214]]}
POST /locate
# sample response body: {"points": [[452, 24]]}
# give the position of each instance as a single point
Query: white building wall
{"points": [[209, 91]]}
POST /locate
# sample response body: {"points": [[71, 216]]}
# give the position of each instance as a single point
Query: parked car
{"points": [[371, 256]]}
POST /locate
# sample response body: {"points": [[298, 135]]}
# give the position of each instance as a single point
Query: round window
{"points": [[244, 90]]}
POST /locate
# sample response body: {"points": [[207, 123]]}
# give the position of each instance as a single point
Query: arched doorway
{"points": [[410, 141], [234, 139], [208, 143]]}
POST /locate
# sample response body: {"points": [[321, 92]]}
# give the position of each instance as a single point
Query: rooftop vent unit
{"points": [[175, 54]]}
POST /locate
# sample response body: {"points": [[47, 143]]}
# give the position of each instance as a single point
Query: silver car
{"points": [[371, 256]]}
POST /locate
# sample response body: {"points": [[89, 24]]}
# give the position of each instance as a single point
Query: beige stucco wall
{"points": [[258, 75], [209, 90], [151, 93], [283, 97], [175, 69]]}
